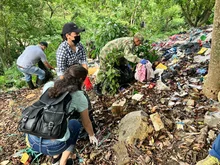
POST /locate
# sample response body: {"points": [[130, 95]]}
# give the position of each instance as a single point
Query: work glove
{"points": [[143, 61], [93, 140], [53, 71], [88, 84]]}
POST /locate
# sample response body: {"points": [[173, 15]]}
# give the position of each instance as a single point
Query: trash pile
{"points": [[178, 124]]}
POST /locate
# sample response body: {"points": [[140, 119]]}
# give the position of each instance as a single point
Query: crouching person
{"points": [[29, 58], [214, 154], [61, 149]]}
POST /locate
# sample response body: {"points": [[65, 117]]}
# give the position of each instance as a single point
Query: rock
{"points": [[212, 135], [154, 109], [203, 133], [137, 97], [30, 96], [219, 96], [196, 90], [188, 140], [5, 162], [171, 104], [121, 153], [212, 118], [157, 122], [163, 100], [190, 102], [147, 159], [118, 107], [195, 96], [130, 132], [94, 154], [189, 108], [108, 155]]}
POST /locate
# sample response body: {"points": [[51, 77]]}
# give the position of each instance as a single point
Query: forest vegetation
{"points": [[30, 21]]}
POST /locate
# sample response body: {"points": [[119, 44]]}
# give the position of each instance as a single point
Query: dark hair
{"points": [[44, 43], [64, 36], [72, 81]]}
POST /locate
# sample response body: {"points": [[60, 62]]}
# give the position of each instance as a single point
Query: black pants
{"points": [[48, 74]]}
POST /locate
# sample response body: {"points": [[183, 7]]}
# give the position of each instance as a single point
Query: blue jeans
{"points": [[215, 151], [55, 147], [32, 70]]}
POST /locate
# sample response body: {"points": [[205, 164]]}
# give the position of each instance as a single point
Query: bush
{"points": [[145, 51], [12, 78], [110, 30], [110, 77]]}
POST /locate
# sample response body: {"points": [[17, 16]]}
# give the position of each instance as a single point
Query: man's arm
{"points": [[43, 58], [48, 65], [130, 56]]}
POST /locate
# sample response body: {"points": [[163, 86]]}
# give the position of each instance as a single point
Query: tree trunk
{"points": [[212, 83], [132, 19], [1, 62]]}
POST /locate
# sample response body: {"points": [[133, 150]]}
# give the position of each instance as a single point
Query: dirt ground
{"points": [[168, 146]]}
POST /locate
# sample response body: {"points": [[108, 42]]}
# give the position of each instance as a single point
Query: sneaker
{"points": [[56, 161], [209, 160]]}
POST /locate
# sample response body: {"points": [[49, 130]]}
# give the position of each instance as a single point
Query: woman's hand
{"points": [[93, 140]]}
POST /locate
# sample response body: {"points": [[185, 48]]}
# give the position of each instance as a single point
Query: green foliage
{"points": [[19, 20], [162, 16], [12, 78], [53, 43], [111, 75], [109, 30], [2, 82], [196, 12], [145, 52], [28, 22]]}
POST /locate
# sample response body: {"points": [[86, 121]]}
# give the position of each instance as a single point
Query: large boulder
{"points": [[134, 126], [121, 153]]}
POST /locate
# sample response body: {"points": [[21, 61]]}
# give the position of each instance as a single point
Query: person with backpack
{"points": [[60, 149], [29, 58]]}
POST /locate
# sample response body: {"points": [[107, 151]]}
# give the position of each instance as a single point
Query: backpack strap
{"points": [[50, 101]]}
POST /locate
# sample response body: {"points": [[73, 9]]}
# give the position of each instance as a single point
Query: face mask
{"points": [[77, 39]]}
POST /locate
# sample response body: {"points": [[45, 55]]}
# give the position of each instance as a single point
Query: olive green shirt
{"points": [[125, 44]]}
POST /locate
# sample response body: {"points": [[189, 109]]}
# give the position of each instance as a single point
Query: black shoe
{"points": [[98, 89], [39, 82], [55, 161], [31, 85], [69, 162]]}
